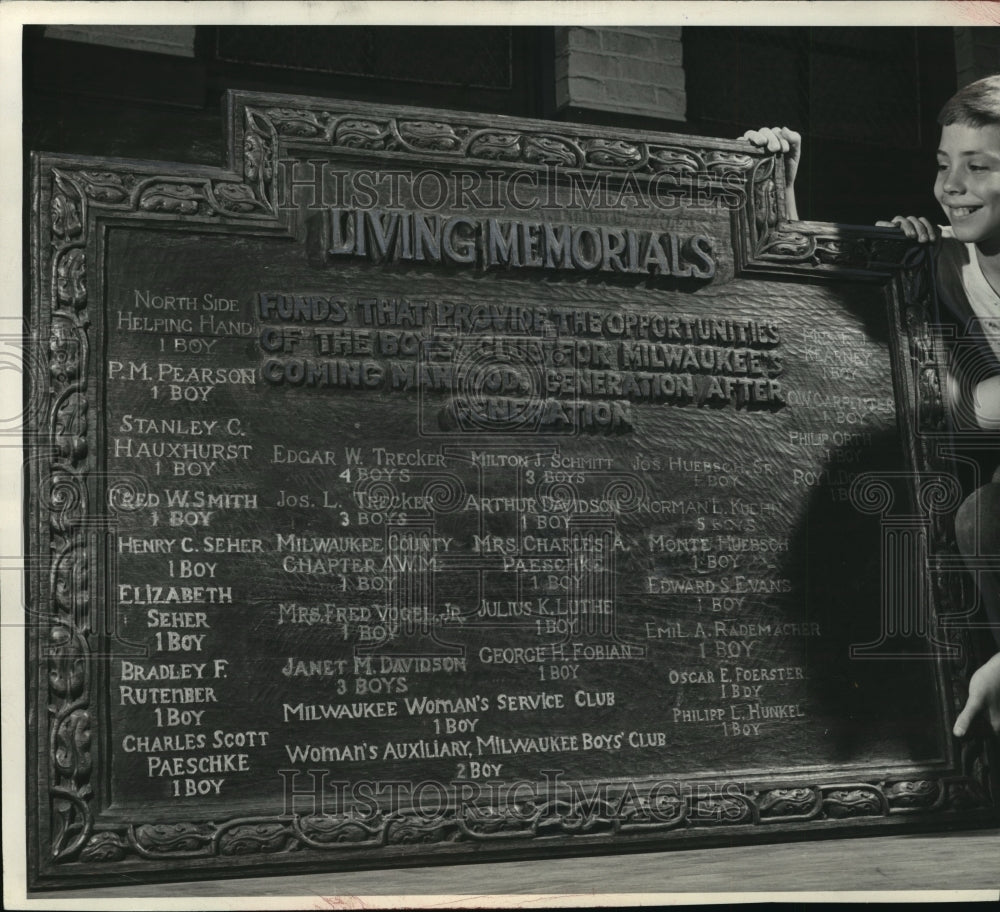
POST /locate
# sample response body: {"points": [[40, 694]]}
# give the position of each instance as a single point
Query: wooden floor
{"points": [[944, 861]]}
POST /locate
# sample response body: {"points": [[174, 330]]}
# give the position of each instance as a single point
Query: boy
{"points": [[967, 259]]}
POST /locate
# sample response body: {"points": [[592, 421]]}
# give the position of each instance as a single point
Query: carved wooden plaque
{"points": [[427, 487]]}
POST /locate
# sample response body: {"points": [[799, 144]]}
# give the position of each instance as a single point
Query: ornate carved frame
{"points": [[74, 201]]}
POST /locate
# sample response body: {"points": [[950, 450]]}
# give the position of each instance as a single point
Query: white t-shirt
{"points": [[967, 295]]}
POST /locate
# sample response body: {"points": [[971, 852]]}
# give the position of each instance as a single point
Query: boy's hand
{"points": [[789, 144], [984, 693], [915, 228], [779, 139]]}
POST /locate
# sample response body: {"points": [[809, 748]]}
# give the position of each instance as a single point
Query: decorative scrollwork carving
{"points": [[71, 277], [410, 829], [104, 847], [71, 761], [789, 802], [724, 810], [66, 222], [348, 130], [341, 831], [173, 838], [107, 187], [524, 819], [918, 793], [256, 837], [70, 427], [496, 146], [551, 150], [235, 198], [72, 757], [673, 160], [361, 134], [164, 197], [432, 136], [63, 498], [788, 247], [67, 668], [766, 206], [486, 822], [64, 353], [258, 151], [66, 500], [295, 122], [717, 160], [854, 802], [613, 153]]}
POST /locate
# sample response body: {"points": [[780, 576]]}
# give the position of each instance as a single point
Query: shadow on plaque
{"points": [[872, 671]]}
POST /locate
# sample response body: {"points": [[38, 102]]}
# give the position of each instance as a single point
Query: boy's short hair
{"points": [[976, 105]]}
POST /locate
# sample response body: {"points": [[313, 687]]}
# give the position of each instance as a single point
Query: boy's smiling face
{"points": [[968, 183]]}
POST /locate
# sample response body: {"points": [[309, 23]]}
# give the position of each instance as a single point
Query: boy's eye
{"points": [[978, 168]]}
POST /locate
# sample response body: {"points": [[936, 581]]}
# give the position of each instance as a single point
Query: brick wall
{"points": [[633, 70]]}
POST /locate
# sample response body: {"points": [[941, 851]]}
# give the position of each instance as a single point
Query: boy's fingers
{"points": [[965, 717], [901, 221], [781, 140], [793, 137], [925, 232], [769, 139], [930, 228], [774, 139], [916, 229]]}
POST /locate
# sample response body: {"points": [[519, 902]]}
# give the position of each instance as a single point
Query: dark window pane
{"points": [[864, 91], [746, 76], [859, 85], [452, 55]]}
